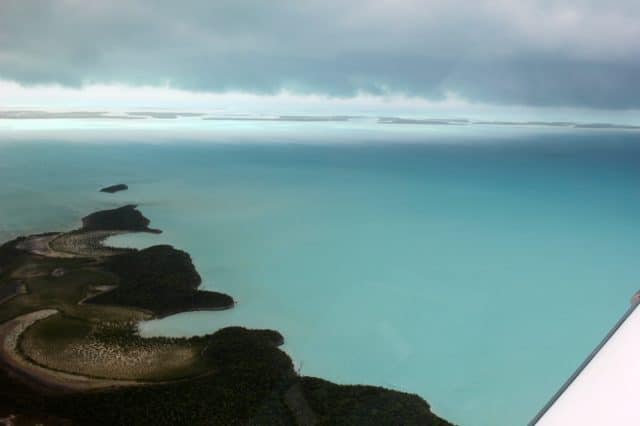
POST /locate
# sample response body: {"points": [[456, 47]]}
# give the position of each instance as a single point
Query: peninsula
{"points": [[71, 354]]}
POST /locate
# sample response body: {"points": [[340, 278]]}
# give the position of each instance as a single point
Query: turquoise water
{"points": [[476, 270]]}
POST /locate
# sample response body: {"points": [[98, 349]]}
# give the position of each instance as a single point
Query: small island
{"points": [[115, 188], [71, 354]]}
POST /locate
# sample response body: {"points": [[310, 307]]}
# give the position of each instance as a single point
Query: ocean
{"points": [[474, 266]]}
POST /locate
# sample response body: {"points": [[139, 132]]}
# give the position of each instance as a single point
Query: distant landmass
{"points": [[295, 118], [165, 114], [386, 120]]}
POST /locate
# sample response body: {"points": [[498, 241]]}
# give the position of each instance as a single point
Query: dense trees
{"points": [[161, 279], [126, 218]]}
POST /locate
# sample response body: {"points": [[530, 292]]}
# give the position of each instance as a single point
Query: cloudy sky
{"points": [[560, 55]]}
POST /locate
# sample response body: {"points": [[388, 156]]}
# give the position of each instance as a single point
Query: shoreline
{"points": [[54, 380], [110, 287], [42, 377]]}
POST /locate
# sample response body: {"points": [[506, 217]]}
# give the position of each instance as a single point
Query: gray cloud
{"points": [[532, 52]]}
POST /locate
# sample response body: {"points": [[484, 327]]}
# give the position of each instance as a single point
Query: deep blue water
{"points": [[475, 271]]}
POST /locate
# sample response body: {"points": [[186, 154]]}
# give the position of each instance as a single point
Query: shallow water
{"points": [[476, 270]]}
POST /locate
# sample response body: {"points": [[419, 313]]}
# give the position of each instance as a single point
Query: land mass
{"points": [[115, 188], [70, 352], [127, 218], [160, 279]]}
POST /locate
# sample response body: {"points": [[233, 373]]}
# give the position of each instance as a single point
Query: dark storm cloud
{"points": [[554, 52]]}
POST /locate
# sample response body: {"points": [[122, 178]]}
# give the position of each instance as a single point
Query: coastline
{"points": [[176, 283], [36, 376]]}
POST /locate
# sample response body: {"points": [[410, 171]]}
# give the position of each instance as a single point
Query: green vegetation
{"points": [[126, 218], [358, 405], [111, 350], [160, 279], [249, 387], [62, 293], [28, 407], [246, 388], [10, 259]]}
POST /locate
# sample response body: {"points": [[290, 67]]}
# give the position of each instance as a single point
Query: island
{"points": [[115, 188], [71, 354]]}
